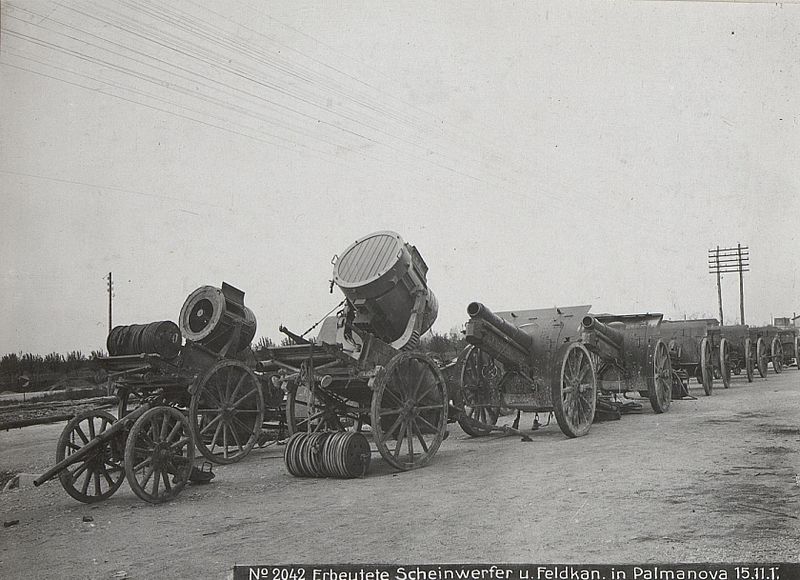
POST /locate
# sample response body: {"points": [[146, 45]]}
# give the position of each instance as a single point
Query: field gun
{"points": [[527, 360], [362, 368], [697, 349], [631, 357]]}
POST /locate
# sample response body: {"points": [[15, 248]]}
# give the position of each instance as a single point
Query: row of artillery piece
{"points": [[363, 381]]}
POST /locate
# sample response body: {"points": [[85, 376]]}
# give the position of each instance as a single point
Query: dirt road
{"points": [[714, 479]]}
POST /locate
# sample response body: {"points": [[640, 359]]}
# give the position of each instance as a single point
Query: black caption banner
{"points": [[743, 571]]}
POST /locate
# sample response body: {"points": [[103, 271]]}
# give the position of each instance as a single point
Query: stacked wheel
{"points": [[342, 454]]}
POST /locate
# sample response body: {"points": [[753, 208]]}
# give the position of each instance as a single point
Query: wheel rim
{"points": [[707, 366], [409, 411], [660, 385], [159, 454], [100, 473], [724, 363], [777, 355], [748, 359], [480, 375], [226, 412], [761, 358], [574, 391]]}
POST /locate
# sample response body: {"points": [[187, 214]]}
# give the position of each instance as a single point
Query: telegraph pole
{"points": [[110, 290], [724, 260]]}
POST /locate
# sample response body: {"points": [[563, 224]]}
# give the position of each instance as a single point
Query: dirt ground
{"points": [[714, 479]]}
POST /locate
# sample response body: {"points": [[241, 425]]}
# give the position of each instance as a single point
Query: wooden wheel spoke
{"points": [[428, 407], [251, 393], [81, 434], [179, 444], [210, 424], [399, 441], [146, 461], [428, 423], [164, 425], [156, 482], [148, 474], [97, 490], [76, 473], [90, 424], [410, 439], [390, 431], [388, 391], [420, 437], [216, 434], [165, 478], [87, 480], [387, 412]]}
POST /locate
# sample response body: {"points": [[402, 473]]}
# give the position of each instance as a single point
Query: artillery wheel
{"points": [[707, 366], [100, 473], [749, 363], [725, 363], [797, 353], [307, 413], [160, 449], [776, 350], [659, 385], [480, 374], [761, 357], [226, 412], [409, 404], [574, 389]]}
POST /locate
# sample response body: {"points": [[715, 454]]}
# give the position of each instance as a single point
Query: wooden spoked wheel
{"points": [[226, 412], [725, 362], [761, 357], [776, 350], [707, 366], [659, 384], [409, 410], [309, 413], [574, 389], [797, 353], [749, 359], [159, 454], [479, 393], [100, 473]]}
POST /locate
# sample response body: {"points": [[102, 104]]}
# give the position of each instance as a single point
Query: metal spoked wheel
{"points": [[761, 357], [409, 410], [226, 412], [479, 394], [100, 474], [776, 350], [707, 366], [749, 362], [574, 389], [659, 385], [159, 454], [725, 362]]}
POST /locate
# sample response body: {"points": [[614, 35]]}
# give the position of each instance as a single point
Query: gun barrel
{"points": [[606, 340], [479, 311]]}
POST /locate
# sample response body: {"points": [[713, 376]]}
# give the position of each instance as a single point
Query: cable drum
{"points": [[342, 454], [162, 338]]}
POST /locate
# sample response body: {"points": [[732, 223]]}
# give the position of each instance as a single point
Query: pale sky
{"points": [[536, 153]]}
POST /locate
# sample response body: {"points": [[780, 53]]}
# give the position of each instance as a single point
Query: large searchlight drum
{"points": [[218, 319], [384, 278]]}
